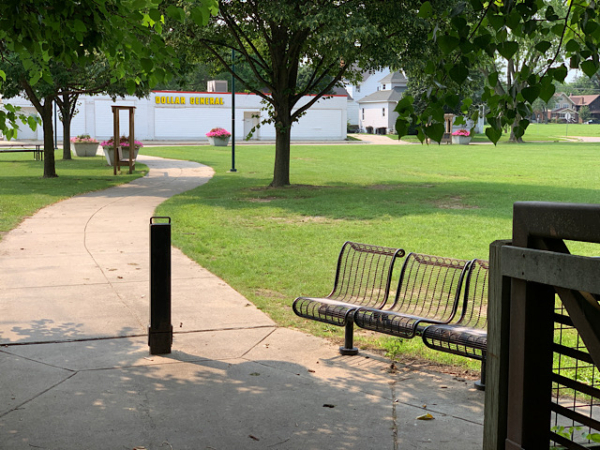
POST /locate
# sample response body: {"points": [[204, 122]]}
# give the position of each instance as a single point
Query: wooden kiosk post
{"points": [[117, 156]]}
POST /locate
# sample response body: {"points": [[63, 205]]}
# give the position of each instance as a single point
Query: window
{"points": [[363, 114], [384, 87], [358, 88], [383, 112]]}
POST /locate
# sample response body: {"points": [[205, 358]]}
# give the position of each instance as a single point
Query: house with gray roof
{"points": [[376, 111]]}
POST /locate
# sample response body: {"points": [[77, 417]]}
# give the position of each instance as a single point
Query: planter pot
{"points": [[461, 140], [218, 141], [84, 148], [110, 151]]}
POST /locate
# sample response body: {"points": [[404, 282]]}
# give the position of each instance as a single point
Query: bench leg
{"points": [[480, 385], [349, 348]]}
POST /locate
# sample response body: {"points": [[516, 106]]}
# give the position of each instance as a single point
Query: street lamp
{"points": [[233, 112]]}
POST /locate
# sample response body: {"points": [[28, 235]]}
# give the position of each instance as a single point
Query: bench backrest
{"points": [[429, 287], [364, 274], [474, 311]]}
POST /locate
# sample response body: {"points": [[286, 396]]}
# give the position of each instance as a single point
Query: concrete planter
{"points": [[110, 151], [461, 140], [84, 148], [219, 141]]}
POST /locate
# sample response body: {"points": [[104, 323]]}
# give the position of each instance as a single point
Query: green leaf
{"points": [[508, 49], [572, 46], [459, 73], [3, 75], [543, 46], [482, 41], [435, 131], [425, 11], [199, 16], [401, 127], [589, 68], [531, 93], [147, 64], [458, 9], [429, 68], [560, 73], [547, 91], [493, 78], [131, 87], [496, 21], [447, 43], [452, 100], [405, 106], [493, 134], [175, 13]]}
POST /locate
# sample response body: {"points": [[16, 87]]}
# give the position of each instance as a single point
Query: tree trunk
{"points": [[49, 162], [281, 173], [66, 137], [513, 138]]}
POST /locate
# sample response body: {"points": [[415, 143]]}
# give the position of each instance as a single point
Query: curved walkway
{"points": [[378, 139], [76, 373]]}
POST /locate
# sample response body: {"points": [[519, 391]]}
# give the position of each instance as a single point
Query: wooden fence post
{"points": [[496, 386]]}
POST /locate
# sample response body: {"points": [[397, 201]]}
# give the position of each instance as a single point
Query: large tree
{"points": [[326, 40], [497, 30], [126, 32]]}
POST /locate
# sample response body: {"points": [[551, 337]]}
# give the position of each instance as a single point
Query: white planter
{"points": [[110, 151], [218, 141], [461, 140], [84, 148]]}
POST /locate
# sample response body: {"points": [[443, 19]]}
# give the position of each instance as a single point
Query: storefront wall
{"points": [[188, 116]]}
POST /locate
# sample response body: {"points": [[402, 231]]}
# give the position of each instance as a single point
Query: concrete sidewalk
{"points": [[76, 373]]}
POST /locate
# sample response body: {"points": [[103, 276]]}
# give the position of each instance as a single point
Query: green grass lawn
{"points": [[273, 245], [23, 190], [537, 132]]}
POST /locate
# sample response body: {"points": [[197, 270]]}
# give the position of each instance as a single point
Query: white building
{"points": [[170, 115], [376, 111]]}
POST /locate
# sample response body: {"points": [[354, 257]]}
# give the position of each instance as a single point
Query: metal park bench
{"points": [[38, 152], [466, 336], [428, 292], [362, 279], [442, 300]]}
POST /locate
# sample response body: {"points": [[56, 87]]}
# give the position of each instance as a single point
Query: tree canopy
{"points": [[42, 33], [558, 38], [290, 49]]}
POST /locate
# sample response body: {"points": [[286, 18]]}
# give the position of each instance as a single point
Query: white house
{"points": [[368, 85], [170, 115], [376, 111]]}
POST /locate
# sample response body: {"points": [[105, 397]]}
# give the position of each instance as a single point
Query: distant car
{"points": [[593, 121]]}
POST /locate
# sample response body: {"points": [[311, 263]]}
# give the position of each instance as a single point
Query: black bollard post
{"points": [[160, 331]]}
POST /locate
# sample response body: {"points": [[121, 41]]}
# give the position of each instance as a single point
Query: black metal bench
{"points": [[428, 292], [442, 300], [38, 152], [363, 278], [467, 335]]}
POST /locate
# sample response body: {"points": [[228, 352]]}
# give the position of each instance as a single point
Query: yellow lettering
{"points": [[221, 100], [212, 100], [163, 99], [177, 100], [183, 100], [202, 100], [157, 99]]}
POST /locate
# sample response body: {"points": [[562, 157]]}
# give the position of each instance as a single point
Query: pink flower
{"points": [[124, 142], [84, 139], [461, 132], [218, 132]]}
